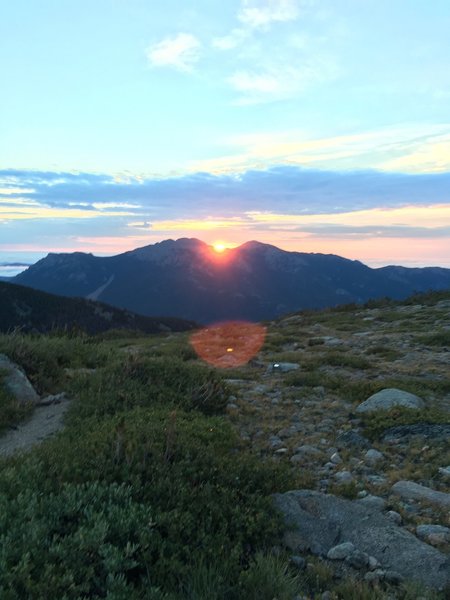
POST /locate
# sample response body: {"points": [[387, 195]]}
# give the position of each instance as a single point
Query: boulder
{"points": [[16, 382], [318, 522], [409, 490], [390, 398]]}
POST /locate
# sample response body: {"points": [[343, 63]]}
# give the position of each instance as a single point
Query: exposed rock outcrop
{"points": [[317, 523]]}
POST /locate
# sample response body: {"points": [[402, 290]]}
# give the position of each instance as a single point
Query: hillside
{"points": [[187, 279], [160, 484], [32, 310]]}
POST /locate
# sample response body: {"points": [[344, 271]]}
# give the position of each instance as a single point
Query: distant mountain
{"points": [[33, 310], [187, 279]]}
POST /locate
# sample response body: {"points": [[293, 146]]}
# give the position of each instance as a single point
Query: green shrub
{"points": [[142, 381], [142, 497], [44, 358]]}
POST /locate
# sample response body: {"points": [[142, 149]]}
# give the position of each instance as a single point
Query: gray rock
{"points": [[283, 367], [445, 471], [341, 551], [343, 477], [317, 522], [433, 534], [390, 398], [17, 383], [430, 431], [336, 458], [394, 516], [53, 399], [358, 559], [352, 439], [308, 450], [298, 561], [409, 490], [376, 480], [374, 501], [372, 457], [394, 577], [275, 442]]}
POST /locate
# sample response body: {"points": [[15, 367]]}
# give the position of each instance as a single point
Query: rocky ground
{"points": [[298, 402]]}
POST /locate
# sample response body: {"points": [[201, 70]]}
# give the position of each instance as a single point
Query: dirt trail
{"points": [[45, 421]]}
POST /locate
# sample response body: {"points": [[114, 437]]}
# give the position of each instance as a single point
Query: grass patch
{"points": [[440, 339], [377, 422]]}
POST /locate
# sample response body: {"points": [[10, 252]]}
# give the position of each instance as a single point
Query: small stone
{"points": [[374, 501], [445, 471], [275, 442], [299, 562], [352, 439], [343, 477], [358, 559], [307, 450], [374, 576], [231, 407], [326, 596], [394, 516], [373, 563], [336, 458], [362, 494], [433, 534], [283, 367], [341, 551], [372, 457], [393, 577], [281, 451]]}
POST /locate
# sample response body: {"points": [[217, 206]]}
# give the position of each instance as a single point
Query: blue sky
{"points": [[316, 125]]}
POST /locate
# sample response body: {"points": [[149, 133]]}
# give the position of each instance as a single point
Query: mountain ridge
{"points": [[186, 278]]}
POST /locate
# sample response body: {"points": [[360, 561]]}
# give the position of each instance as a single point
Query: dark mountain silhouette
{"points": [[33, 310], [187, 279]]}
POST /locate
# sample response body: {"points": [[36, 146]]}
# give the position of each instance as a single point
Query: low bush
{"points": [[133, 501], [132, 381]]}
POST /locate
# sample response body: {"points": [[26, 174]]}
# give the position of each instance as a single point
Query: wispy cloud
{"points": [[261, 13], [418, 148], [277, 81], [180, 52]]}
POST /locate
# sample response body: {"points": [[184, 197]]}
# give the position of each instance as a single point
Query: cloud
{"points": [[277, 81], [180, 52], [201, 196], [262, 13], [406, 148]]}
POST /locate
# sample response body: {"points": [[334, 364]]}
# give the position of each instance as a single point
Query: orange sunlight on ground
{"points": [[228, 344]]}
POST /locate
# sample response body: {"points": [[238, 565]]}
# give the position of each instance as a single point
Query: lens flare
{"points": [[229, 344], [219, 247]]}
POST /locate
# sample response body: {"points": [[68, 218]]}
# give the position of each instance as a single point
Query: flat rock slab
{"points": [[390, 398], [45, 421], [16, 382], [317, 522], [431, 431], [409, 490]]}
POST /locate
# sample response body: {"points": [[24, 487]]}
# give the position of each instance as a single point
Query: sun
{"points": [[219, 247]]}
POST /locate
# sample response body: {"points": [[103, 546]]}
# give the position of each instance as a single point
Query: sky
{"points": [[313, 125]]}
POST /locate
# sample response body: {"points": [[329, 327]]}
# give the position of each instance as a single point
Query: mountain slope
{"points": [[255, 281], [33, 310]]}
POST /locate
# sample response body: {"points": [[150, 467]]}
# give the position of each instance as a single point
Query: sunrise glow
{"points": [[219, 247]]}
